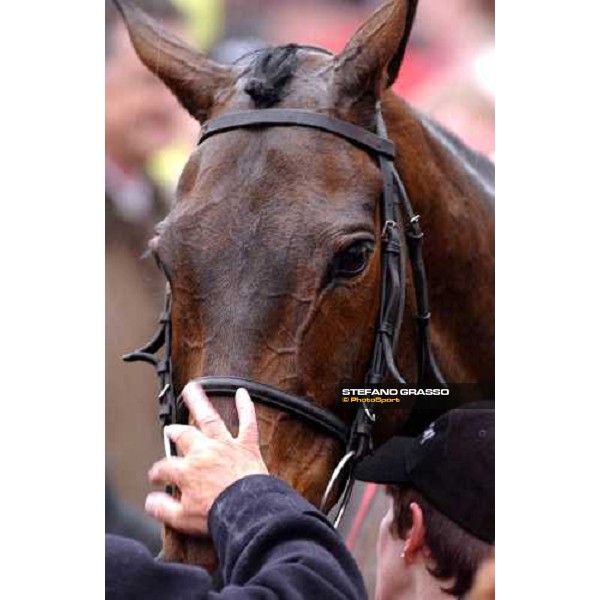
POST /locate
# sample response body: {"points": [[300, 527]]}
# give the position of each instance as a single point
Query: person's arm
{"points": [[131, 573], [273, 545]]}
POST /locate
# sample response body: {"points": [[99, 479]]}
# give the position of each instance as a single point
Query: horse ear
{"points": [[193, 78], [371, 60]]}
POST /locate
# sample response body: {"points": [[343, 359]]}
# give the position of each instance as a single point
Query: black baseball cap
{"points": [[451, 463]]}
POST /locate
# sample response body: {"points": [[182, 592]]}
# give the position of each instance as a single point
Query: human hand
{"points": [[211, 460]]}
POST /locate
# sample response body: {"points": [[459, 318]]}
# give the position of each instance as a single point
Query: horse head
{"points": [[272, 249]]}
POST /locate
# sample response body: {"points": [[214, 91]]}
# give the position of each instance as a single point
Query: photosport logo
{"points": [[418, 396]]}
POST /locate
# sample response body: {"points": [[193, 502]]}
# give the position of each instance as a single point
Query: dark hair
{"points": [[455, 552], [161, 10], [271, 70]]}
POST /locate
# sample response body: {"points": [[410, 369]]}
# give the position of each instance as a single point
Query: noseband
{"points": [[356, 439]]}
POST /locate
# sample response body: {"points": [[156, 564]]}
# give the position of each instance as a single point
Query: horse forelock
{"points": [[271, 70]]}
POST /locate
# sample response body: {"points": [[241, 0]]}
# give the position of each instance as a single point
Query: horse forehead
{"points": [[259, 216], [266, 233], [242, 252], [241, 225], [257, 166], [258, 190]]}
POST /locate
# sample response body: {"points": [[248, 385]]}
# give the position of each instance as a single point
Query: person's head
{"points": [[440, 526], [415, 536], [140, 111]]}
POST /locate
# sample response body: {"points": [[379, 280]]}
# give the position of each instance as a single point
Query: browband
{"points": [[294, 117]]}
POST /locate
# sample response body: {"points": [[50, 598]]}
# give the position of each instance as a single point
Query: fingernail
{"points": [[242, 393], [192, 387], [151, 503]]}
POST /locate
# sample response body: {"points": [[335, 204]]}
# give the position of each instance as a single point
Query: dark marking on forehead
{"points": [[270, 72]]}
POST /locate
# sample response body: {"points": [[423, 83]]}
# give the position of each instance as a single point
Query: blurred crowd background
{"points": [[448, 73]]}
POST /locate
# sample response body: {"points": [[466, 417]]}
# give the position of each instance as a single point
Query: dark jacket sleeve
{"points": [[271, 544], [131, 574]]}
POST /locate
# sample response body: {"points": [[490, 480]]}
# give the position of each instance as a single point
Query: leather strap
{"points": [[429, 372], [163, 367], [292, 117], [299, 406], [172, 410], [391, 302]]}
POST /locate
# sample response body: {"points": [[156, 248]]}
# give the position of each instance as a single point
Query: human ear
{"points": [[415, 536]]}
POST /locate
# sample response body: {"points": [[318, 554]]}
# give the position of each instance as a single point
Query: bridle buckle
{"points": [[387, 226], [369, 413]]}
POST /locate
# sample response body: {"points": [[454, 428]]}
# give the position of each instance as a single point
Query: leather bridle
{"points": [[356, 438]]}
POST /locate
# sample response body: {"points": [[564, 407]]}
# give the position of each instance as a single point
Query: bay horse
{"points": [[272, 249]]}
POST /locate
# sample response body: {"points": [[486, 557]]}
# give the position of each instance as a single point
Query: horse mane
{"points": [[476, 164], [271, 71]]}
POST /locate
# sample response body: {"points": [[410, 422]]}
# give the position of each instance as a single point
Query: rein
{"points": [[357, 439]]}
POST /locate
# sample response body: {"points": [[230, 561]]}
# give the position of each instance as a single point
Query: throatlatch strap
{"points": [[428, 371]]}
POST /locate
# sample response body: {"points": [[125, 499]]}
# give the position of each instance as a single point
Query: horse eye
{"points": [[353, 260]]}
